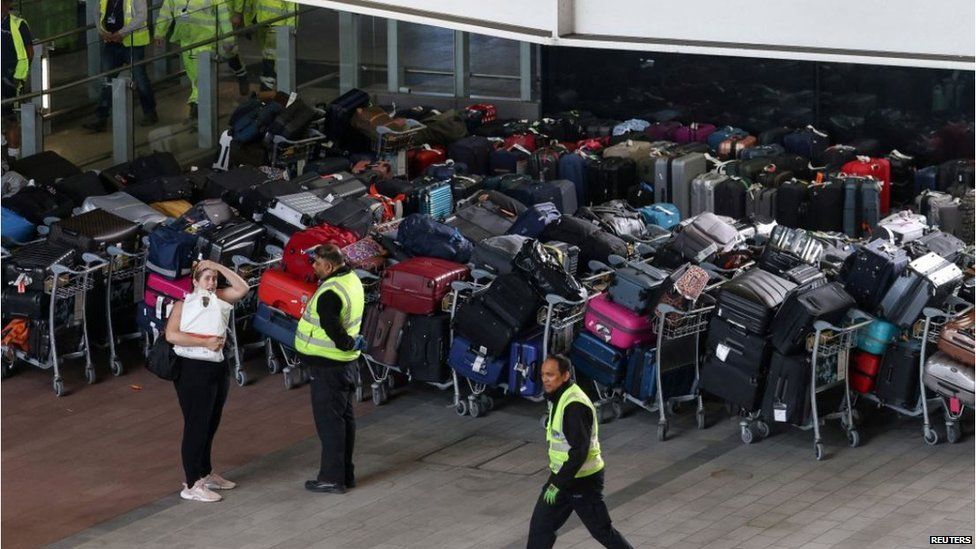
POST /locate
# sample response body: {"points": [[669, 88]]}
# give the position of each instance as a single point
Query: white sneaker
{"points": [[213, 481], [199, 492]]}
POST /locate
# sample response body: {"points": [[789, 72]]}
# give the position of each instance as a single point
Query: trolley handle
{"points": [[464, 285], [554, 299], [599, 267], [115, 251], [275, 252], [92, 263], [366, 276]]}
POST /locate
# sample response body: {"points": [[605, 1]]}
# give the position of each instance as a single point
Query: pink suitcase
{"points": [[616, 324], [163, 292], [693, 133]]}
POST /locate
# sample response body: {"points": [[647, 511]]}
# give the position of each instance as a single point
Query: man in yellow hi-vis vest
{"points": [[575, 463], [269, 11], [328, 342], [18, 51], [124, 28], [190, 22]]}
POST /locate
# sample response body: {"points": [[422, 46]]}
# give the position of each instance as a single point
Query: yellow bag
{"points": [[172, 208]]}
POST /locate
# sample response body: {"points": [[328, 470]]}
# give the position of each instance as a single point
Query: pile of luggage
{"points": [[667, 260]]}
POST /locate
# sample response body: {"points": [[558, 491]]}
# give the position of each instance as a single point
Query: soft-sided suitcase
{"points": [[418, 285], [566, 255], [285, 292], [125, 206], [597, 360], [869, 273], [486, 214], [950, 378], [862, 205], [808, 142], [496, 253], [473, 151], [94, 231], [946, 245], [864, 368], [705, 235], [244, 239], [695, 132], [927, 282], [524, 367], [736, 364], [158, 189], [171, 252], [637, 286], [732, 147], [148, 322], [609, 179], [424, 347], [494, 317], [80, 186], [897, 380], [594, 243], [876, 336], [420, 235], [45, 167], [801, 309], [731, 197], [275, 325], [231, 186], [32, 304], [35, 204], [750, 300], [663, 215], [383, 330], [471, 364], [482, 327], [787, 395], [15, 228], [640, 381], [722, 134], [792, 203], [956, 339], [616, 325], [825, 210]]}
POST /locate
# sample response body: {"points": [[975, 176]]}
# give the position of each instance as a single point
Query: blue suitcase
{"points": [[663, 215], [14, 228], [876, 337], [275, 325], [572, 167], [597, 360], [147, 320], [807, 142], [640, 380], [436, 200], [762, 151], [926, 179], [533, 221], [472, 365], [525, 364]]}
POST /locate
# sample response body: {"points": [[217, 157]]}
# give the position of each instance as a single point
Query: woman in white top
{"points": [[197, 328]]}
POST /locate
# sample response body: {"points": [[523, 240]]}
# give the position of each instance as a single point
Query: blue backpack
{"points": [[170, 252], [662, 214], [533, 221], [420, 235]]}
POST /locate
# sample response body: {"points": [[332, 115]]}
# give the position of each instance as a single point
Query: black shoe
{"points": [[243, 86], [324, 487], [96, 126], [149, 120]]}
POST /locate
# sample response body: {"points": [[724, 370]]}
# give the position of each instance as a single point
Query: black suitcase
{"points": [[496, 253], [44, 167], [897, 380], [68, 338], [30, 304], [80, 186], [609, 179], [483, 328], [787, 395], [161, 188], [795, 318], [35, 261], [512, 298], [294, 122], [732, 198], [233, 185], [343, 185], [594, 243], [340, 111], [473, 151], [792, 201], [157, 164], [355, 214], [94, 231], [751, 300], [36, 203], [736, 363], [244, 238], [777, 261], [826, 208], [870, 271], [465, 186], [423, 347], [805, 276]]}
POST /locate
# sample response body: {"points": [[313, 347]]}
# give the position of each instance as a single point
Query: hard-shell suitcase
{"points": [[663, 215], [903, 226], [15, 228], [231, 186], [801, 309], [465, 186], [161, 293], [127, 207], [222, 245], [418, 285], [45, 167], [945, 245], [640, 381], [703, 188], [297, 210], [524, 367], [424, 347], [862, 205], [673, 175], [950, 378], [295, 258], [957, 340], [805, 275], [736, 364], [94, 231], [471, 364], [826, 207], [787, 395], [750, 300], [877, 168], [597, 360], [927, 282], [609, 179], [897, 380], [940, 209], [876, 336], [731, 197], [285, 292], [436, 200], [337, 185], [869, 273], [637, 286], [275, 325], [383, 330], [864, 368], [792, 203], [616, 325], [777, 261]]}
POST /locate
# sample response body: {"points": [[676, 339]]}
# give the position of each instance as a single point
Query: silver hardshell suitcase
{"points": [[904, 226], [125, 206], [703, 192], [298, 209], [673, 176], [927, 282], [949, 378]]}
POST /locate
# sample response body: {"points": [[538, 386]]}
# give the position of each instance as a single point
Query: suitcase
{"points": [[597, 360], [808, 142], [673, 175], [34, 261], [297, 210], [703, 190], [524, 367], [244, 239], [285, 292], [826, 207], [897, 381], [35, 204], [32, 304], [949, 378], [357, 215], [761, 151], [862, 206], [158, 189], [483, 328], [419, 158], [777, 262], [940, 209], [609, 179], [435, 200], [45, 167], [869, 273], [722, 134], [127, 207], [94, 231], [232, 186], [792, 203], [161, 293], [424, 347], [566, 254], [496, 253], [787, 395], [594, 243], [876, 336], [473, 151], [731, 197], [705, 235], [465, 186], [171, 252], [487, 214], [877, 168], [383, 330], [617, 325], [927, 282], [945, 245], [695, 132], [473, 365], [903, 227], [148, 321], [418, 285], [801, 309], [337, 185], [864, 368], [340, 111], [295, 258], [774, 135], [640, 380], [805, 275], [638, 287], [735, 365], [15, 229], [751, 299], [80, 186], [733, 147], [956, 339], [663, 215], [275, 325]]}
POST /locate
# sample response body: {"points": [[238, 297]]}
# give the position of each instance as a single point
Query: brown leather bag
{"points": [[956, 339]]}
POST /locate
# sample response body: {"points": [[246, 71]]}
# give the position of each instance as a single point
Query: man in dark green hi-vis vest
{"points": [[575, 463]]}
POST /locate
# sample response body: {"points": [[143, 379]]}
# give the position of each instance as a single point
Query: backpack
{"points": [[422, 236]]}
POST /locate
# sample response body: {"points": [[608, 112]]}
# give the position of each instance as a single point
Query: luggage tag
{"points": [[478, 366], [842, 359], [779, 412], [22, 282], [722, 351]]}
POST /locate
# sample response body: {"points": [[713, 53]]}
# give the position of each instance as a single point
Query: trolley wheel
{"points": [[662, 431], [241, 377], [116, 367], [617, 408], [273, 365], [672, 407], [700, 419], [289, 382], [931, 436], [748, 434], [377, 394], [487, 403], [461, 407], [953, 432], [762, 428], [90, 376], [475, 409], [58, 387], [853, 438], [818, 451]]}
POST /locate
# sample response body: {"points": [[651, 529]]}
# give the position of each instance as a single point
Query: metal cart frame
{"points": [[477, 403], [251, 271], [293, 155], [392, 146], [935, 319], [123, 265], [293, 366]]}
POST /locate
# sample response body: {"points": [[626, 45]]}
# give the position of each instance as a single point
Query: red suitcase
{"points": [[524, 140], [878, 168], [417, 285], [296, 260], [284, 292], [864, 368], [420, 158]]}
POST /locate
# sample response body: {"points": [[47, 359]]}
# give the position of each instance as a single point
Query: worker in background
{"points": [[124, 28], [189, 22], [576, 466], [328, 342], [270, 10], [18, 52], [229, 49]]}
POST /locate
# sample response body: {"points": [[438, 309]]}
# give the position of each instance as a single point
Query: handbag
{"points": [[546, 273], [162, 360]]}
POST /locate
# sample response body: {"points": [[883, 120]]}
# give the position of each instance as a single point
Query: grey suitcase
{"points": [[904, 226], [797, 242], [940, 209], [927, 282], [673, 176], [761, 202], [703, 191], [298, 209], [705, 235], [125, 206], [950, 378], [636, 286]]}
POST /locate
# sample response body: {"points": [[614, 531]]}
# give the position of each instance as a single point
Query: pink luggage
{"points": [[693, 133], [162, 292], [616, 324]]}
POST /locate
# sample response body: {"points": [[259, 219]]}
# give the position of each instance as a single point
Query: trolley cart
{"points": [[123, 267], [477, 403], [69, 289], [935, 320], [392, 145], [292, 156], [250, 270], [293, 372], [382, 383]]}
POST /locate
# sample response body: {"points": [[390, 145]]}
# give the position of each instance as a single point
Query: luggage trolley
{"points": [[477, 403], [931, 328], [251, 271], [293, 155], [392, 145], [293, 372], [69, 289], [382, 380], [122, 267]]}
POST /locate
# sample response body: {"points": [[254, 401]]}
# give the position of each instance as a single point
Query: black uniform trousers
{"points": [[332, 388], [202, 391], [587, 502]]}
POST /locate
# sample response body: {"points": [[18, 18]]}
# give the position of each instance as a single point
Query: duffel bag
{"points": [[422, 236]]}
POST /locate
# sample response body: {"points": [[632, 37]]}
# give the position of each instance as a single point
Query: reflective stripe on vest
{"points": [[138, 37], [559, 447], [311, 339], [23, 63]]}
